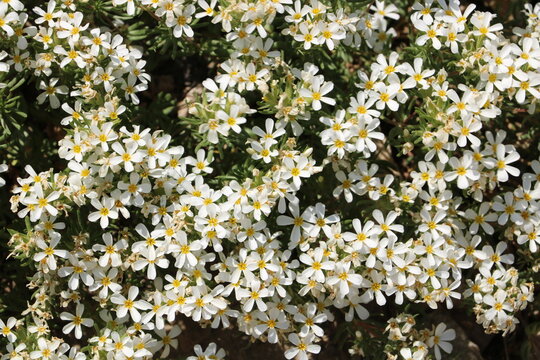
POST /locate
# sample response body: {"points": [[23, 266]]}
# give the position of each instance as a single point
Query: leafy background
{"points": [[29, 134]]}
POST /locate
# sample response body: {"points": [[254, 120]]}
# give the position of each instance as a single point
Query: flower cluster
{"points": [[414, 343], [60, 40], [151, 231], [315, 24], [247, 23], [504, 67]]}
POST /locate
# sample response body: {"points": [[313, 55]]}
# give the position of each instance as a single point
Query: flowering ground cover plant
{"points": [[331, 178]]}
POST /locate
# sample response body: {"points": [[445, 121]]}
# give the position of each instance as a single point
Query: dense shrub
{"points": [[304, 172]]}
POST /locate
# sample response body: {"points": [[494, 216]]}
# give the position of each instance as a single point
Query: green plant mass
{"points": [[299, 179]]}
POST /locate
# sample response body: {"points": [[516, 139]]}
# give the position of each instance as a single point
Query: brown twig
{"points": [[144, 8]]}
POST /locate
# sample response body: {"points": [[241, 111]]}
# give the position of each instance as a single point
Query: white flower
{"points": [[386, 225], [339, 143], [316, 216], [432, 224], [186, 250], [111, 251], [255, 295], [105, 281], [129, 304], [133, 191], [73, 148], [231, 120], [151, 258], [15, 5], [77, 270], [481, 218], [501, 163], [51, 91], [271, 322], [168, 340], [105, 211], [316, 265], [347, 186], [128, 156], [308, 35], [301, 347], [253, 78], [310, 318], [269, 135], [49, 15], [5, 19], [463, 171], [365, 132], [75, 321], [495, 256], [465, 131], [387, 67], [529, 53], [296, 169], [407, 354], [203, 305], [361, 107], [509, 209], [103, 134], [385, 94], [41, 204], [317, 91], [498, 306], [299, 221], [14, 353], [263, 152], [453, 37], [531, 235], [353, 301], [208, 8], [382, 9], [5, 329], [432, 31], [375, 286], [130, 5], [481, 22], [440, 339], [48, 253], [211, 353], [344, 278], [416, 73], [200, 164], [331, 34], [181, 22], [46, 349]]}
